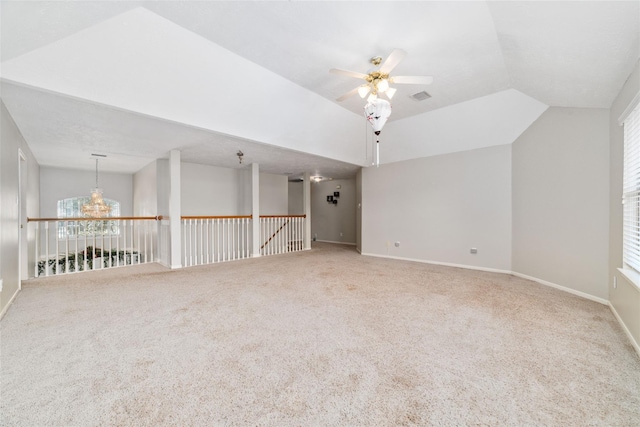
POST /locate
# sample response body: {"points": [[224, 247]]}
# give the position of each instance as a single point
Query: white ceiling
{"points": [[74, 84]]}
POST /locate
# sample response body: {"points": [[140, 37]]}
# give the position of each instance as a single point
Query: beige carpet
{"points": [[319, 338]]}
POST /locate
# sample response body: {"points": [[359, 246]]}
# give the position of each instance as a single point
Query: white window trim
{"points": [[634, 102], [631, 271], [632, 276]]}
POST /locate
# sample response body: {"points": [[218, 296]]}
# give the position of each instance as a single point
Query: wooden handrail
{"points": [[283, 216], [218, 217], [238, 216], [106, 218]]}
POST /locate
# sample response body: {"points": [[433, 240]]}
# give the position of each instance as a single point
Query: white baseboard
{"points": [[634, 343], [562, 288], [340, 243], [495, 270], [13, 297], [447, 264]]}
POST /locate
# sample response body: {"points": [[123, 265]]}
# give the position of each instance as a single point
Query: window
{"points": [[71, 208], [631, 190]]}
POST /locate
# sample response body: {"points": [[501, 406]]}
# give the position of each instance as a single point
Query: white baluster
{"points": [[37, 256], [207, 245]]}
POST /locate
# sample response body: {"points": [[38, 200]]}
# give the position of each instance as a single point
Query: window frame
{"points": [[630, 120], [71, 207]]}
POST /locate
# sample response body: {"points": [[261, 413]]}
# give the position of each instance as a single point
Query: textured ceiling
{"points": [[575, 54]]}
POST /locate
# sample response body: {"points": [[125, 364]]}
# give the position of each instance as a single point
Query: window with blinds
{"points": [[631, 190]]}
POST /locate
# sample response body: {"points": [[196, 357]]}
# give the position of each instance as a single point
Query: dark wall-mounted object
{"points": [[335, 202], [336, 194], [329, 199]]}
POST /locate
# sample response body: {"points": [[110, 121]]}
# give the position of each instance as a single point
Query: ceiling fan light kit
{"points": [[378, 110], [363, 91]]}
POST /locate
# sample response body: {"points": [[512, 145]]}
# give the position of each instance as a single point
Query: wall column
{"points": [[255, 209], [175, 260], [306, 201]]}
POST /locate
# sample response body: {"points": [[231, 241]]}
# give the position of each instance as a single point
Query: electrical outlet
{"points": [[397, 244], [474, 250], [340, 234], [0, 285], [615, 282]]}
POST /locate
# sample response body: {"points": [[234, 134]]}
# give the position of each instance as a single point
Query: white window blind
{"points": [[631, 190]]}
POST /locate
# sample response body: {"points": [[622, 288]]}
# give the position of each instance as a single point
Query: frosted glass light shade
{"points": [[363, 91]]}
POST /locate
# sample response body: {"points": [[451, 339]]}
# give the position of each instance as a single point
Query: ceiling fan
{"points": [[378, 81]]}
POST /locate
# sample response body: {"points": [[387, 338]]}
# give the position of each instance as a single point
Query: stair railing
{"points": [[281, 233]]}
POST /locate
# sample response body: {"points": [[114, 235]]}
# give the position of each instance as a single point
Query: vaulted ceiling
{"points": [[134, 80]]}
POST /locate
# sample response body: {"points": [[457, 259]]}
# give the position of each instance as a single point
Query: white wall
{"points": [[625, 299], [209, 190], [57, 184], [274, 194], [246, 195], [12, 141], [163, 176], [439, 207], [561, 199], [496, 119], [329, 222], [145, 191], [296, 202]]}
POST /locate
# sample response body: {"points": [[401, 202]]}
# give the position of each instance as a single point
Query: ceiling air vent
{"points": [[421, 96]]}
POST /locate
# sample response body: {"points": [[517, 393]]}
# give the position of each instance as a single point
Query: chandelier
{"points": [[96, 207]]}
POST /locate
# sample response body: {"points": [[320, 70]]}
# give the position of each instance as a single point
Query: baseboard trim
{"points": [[634, 343], [6, 308], [580, 294], [495, 270], [562, 288], [446, 264], [340, 243]]}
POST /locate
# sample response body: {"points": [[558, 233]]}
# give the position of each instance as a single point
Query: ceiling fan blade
{"points": [[394, 59], [348, 73], [412, 80], [348, 94]]}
